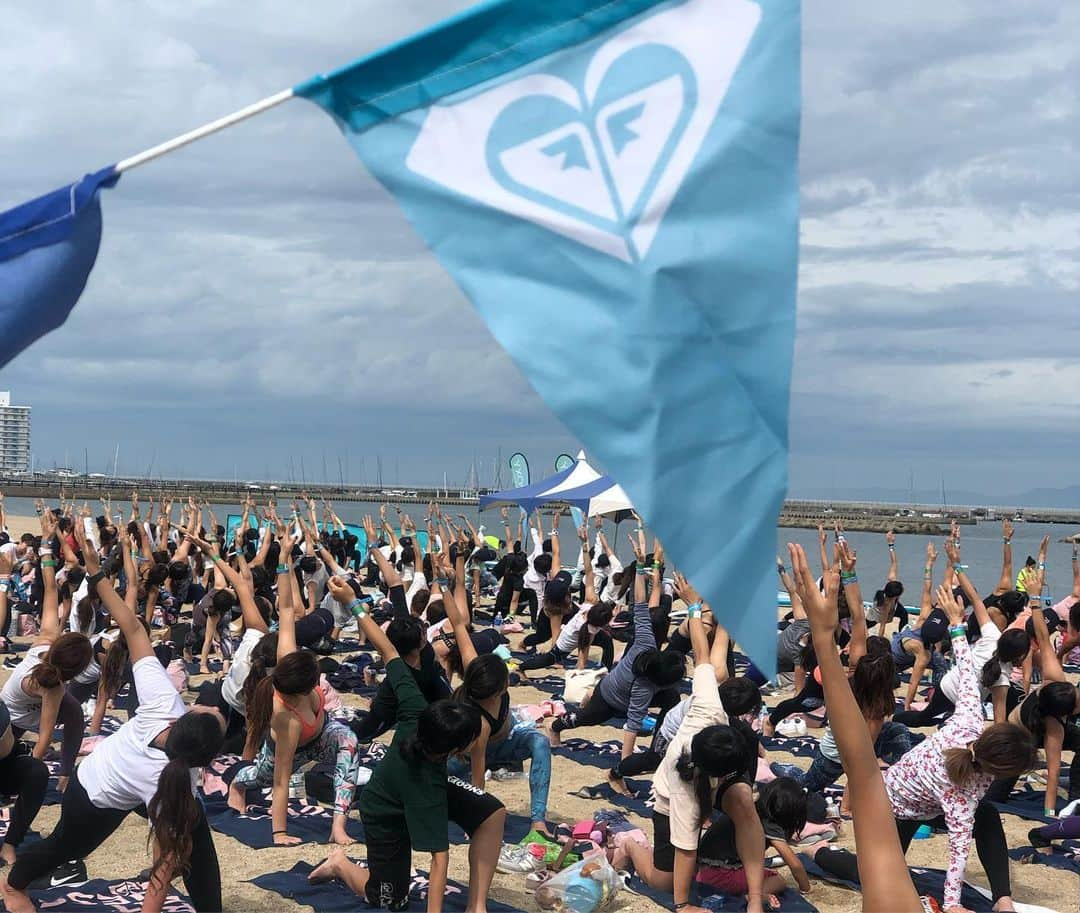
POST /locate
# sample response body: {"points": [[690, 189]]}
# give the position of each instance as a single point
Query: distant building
{"points": [[14, 436]]}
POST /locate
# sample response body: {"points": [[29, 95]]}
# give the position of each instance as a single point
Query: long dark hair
{"points": [[783, 801], [294, 675], [486, 676], [1012, 647], [715, 751], [68, 655], [263, 659], [872, 684], [116, 660], [443, 728], [193, 741], [598, 616]]}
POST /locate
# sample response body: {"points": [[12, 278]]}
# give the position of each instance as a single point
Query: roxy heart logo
{"points": [[596, 144]]}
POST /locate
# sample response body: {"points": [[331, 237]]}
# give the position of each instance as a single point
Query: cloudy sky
{"points": [[259, 299]]}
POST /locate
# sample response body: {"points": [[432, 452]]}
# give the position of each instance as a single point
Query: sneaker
{"points": [[792, 728], [518, 860], [811, 839], [787, 770], [501, 773], [67, 874]]}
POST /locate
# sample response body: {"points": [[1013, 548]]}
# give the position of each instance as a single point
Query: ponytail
{"points": [[174, 814], [116, 660], [258, 707], [46, 675], [991, 672], [67, 656], [960, 765], [194, 740], [689, 772]]}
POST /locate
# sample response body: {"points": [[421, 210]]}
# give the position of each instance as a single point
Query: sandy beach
{"points": [[125, 853]]}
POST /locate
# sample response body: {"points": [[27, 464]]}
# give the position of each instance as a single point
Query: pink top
{"points": [[919, 787]]}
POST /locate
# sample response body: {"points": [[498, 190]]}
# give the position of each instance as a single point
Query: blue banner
{"points": [[47, 249]]}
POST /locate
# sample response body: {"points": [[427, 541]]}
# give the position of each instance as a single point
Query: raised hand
{"points": [[685, 590], [890, 538], [847, 556], [1006, 530], [931, 554], [952, 551], [820, 607], [952, 605], [639, 552]]}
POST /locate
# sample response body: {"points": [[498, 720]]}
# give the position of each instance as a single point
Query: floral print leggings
{"points": [[336, 743]]}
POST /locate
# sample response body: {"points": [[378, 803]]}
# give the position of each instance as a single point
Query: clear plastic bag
{"points": [[586, 886]]}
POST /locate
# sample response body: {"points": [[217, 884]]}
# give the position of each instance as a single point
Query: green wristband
{"points": [[694, 610], [958, 631], [48, 564], [283, 568]]}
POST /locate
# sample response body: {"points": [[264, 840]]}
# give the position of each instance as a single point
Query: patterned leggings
{"points": [[336, 743]]}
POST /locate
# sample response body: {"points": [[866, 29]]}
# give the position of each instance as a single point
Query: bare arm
{"points": [[1005, 582], [883, 872], [894, 568], [853, 597]]}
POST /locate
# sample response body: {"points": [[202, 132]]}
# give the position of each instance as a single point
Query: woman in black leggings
{"points": [[146, 764], [24, 777]]}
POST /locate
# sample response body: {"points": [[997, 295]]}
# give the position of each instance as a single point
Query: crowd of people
{"points": [[105, 605]]}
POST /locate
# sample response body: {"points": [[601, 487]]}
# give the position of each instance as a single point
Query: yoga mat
{"points": [[334, 896]]}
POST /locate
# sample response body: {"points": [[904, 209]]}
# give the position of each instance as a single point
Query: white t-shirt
{"points": [[25, 710], [123, 771], [232, 688], [674, 796], [673, 721], [568, 634], [981, 651]]}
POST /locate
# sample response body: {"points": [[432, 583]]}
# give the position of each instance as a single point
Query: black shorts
{"points": [[467, 806], [389, 856], [663, 854]]}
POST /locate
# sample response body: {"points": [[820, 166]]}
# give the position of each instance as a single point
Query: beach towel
{"points": [[311, 823], [334, 896], [1065, 855], [926, 881], [801, 746], [639, 801], [604, 755], [98, 894], [791, 901]]}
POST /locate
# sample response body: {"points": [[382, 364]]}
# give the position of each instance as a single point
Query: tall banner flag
{"points": [[620, 177], [519, 475], [565, 461], [47, 248]]}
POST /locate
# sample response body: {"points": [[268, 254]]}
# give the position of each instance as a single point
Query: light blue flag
{"points": [[614, 185]]}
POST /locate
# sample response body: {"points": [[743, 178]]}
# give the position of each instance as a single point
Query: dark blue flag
{"points": [[47, 249]]}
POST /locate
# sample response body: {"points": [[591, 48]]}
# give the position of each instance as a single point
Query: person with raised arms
{"points": [[408, 802], [148, 766], [288, 712], [709, 764], [35, 692], [946, 777], [881, 868]]}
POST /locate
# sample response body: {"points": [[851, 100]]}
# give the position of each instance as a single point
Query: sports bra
{"points": [[308, 731]]}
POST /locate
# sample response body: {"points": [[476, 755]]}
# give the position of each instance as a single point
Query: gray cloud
{"points": [[258, 295]]}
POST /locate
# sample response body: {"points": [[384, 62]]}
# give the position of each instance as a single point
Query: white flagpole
{"points": [[206, 130]]}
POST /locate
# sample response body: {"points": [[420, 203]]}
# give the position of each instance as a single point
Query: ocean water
{"points": [[981, 545]]}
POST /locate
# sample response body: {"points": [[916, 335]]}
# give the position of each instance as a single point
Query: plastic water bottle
{"points": [[497, 621], [297, 789]]}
